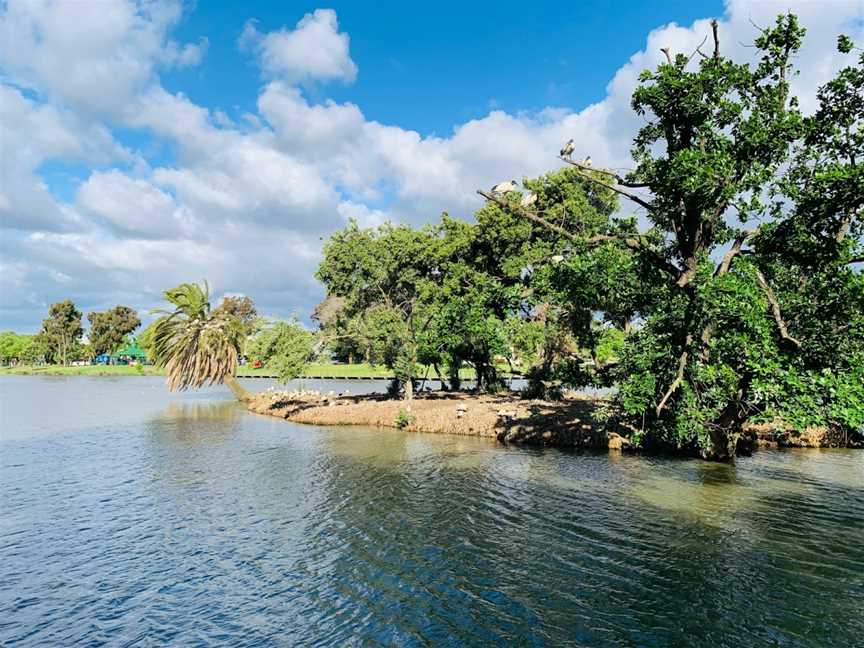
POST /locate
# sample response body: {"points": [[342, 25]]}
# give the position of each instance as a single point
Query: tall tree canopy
{"points": [[61, 332], [747, 302], [108, 329]]}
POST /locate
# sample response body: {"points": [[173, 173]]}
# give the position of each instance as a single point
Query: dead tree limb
{"points": [[775, 308], [587, 176], [714, 27], [634, 242], [529, 215], [618, 179]]}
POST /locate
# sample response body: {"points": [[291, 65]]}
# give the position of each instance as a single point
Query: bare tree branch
{"points": [[634, 242], [679, 375], [618, 179], [735, 250], [665, 50], [775, 308], [530, 216], [714, 27], [689, 58], [587, 176]]}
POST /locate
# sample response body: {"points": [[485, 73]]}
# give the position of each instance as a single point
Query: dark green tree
{"points": [[742, 287], [108, 329], [61, 332], [381, 275]]}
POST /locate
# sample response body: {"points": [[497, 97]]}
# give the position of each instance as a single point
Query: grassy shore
{"points": [[315, 370]]}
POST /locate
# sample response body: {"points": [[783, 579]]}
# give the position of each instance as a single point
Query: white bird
{"points": [[504, 187], [587, 161], [568, 148], [528, 199], [558, 258]]}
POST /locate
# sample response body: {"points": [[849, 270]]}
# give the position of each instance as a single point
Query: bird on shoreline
{"points": [[568, 148], [504, 187]]}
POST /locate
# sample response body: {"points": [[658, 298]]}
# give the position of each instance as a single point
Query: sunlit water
{"points": [[132, 517]]}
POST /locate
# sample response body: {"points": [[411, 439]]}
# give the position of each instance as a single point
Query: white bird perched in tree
{"points": [[568, 148], [504, 187], [528, 199], [587, 161], [558, 258]]}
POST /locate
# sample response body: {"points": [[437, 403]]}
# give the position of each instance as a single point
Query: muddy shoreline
{"points": [[578, 421]]}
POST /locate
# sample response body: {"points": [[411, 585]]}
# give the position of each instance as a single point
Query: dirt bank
{"points": [[579, 421], [576, 422]]}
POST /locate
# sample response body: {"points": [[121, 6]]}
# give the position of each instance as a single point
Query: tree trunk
{"points": [[725, 431], [409, 389], [238, 390]]}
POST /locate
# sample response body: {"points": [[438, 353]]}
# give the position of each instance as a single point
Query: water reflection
{"points": [[183, 519]]}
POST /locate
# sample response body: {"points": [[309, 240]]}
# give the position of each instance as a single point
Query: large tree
{"points": [[746, 302], [108, 329], [381, 274], [61, 332], [195, 344]]}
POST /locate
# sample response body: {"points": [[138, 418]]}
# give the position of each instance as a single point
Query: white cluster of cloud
{"points": [[245, 205], [313, 50]]}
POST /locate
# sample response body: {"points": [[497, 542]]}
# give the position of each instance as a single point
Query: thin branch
{"points": [[858, 259], [618, 179], [775, 308], [530, 216], [633, 242], [639, 201], [689, 58], [735, 250], [679, 376]]}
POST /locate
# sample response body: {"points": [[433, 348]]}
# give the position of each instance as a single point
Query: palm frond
{"points": [[194, 344]]}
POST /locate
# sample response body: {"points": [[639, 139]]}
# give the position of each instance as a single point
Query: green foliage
{"points": [[774, 329], [285, 347], [61, 333], [109, 329], [740, 301], [404, 419], [14, 347]]}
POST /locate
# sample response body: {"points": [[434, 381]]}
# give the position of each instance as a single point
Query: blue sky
{"points": [[148, 142], [439, 64]]}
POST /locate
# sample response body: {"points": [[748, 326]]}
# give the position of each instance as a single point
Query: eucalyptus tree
{"points": [[61, 332], [108, 329], [195, 344]]}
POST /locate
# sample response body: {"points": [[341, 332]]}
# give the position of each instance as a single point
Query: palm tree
{"points": [[197, 345]]}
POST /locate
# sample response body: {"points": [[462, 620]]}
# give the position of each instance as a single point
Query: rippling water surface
{"points": [[134, 517]]}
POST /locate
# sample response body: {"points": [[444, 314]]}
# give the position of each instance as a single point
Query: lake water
{"points": [[135, 517]]}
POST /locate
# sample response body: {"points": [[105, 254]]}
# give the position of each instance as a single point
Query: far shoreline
{"points": [[314, 371]]}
